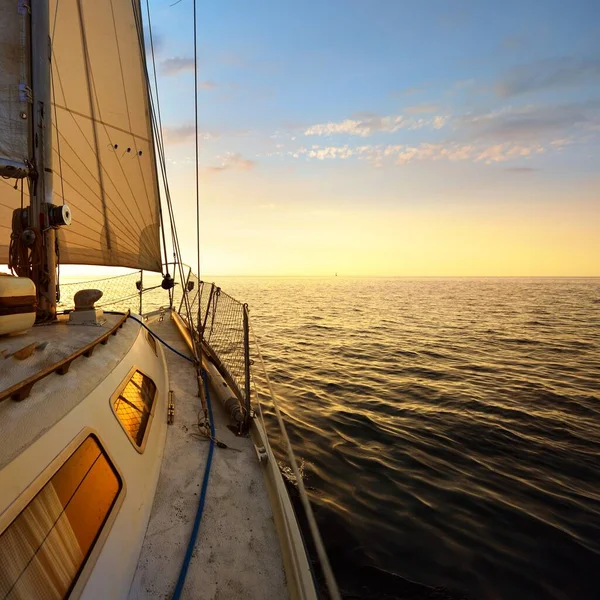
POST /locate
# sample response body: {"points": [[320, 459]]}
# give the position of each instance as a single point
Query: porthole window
{"points": [[46, 547], [132, 405], [152, 342]]}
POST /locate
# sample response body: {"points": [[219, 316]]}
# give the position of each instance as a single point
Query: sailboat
{"points": [[135, 460]]}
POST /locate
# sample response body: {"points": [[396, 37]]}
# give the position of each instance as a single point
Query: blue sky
{"points": [[440, 137]]}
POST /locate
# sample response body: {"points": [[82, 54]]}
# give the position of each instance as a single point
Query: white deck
{"points": [[237, 553]]}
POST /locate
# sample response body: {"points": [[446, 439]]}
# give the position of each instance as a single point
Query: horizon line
{"points": [[419, 276]]}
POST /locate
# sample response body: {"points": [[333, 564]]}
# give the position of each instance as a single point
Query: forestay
{"points": [[103, 152]]}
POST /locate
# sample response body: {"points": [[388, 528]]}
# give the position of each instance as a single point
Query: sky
{"points": [[385, 138]]}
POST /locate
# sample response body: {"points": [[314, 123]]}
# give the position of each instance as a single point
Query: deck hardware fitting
{"points": [[171, 409], [261, 453]]}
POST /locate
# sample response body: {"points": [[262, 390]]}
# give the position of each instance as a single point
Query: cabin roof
{"points": [[21, 423]]}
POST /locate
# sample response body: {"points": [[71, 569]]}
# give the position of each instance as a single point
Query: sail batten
{"points": [[101, 122], [103, 152]]}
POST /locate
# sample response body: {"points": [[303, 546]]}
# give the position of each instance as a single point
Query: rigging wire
{"points": [[158, 114], [197, 165], [310, 517], [196, 135], [197, 347], [157, 123], [157, 129]]}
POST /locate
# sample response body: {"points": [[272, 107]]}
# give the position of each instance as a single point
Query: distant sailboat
{"points": [[102, 480]]}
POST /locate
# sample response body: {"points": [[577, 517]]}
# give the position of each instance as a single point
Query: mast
{"points": [[44, 273]]}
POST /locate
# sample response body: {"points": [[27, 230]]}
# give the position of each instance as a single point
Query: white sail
{"points": [[103, 155]]}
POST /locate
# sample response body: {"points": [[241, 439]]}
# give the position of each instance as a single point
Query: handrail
{"points": [[310, 517], [21, 390]]}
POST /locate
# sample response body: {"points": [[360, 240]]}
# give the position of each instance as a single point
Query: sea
{"points": [[448, 429]]}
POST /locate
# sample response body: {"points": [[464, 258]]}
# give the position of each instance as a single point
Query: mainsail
{"points": [[103, 159], [14, 89]]}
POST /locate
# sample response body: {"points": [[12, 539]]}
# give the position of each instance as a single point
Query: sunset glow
{"points": [[406, 140]]}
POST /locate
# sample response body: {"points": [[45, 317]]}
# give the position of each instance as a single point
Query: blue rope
{"points": [[192, 360], [192, 542]]}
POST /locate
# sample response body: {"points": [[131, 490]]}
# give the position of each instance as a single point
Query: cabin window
{"points": [[152, 342], [45, 548], [133, 406]]}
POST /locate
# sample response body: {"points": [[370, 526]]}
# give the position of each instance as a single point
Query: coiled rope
{"points": [[20, 261]]}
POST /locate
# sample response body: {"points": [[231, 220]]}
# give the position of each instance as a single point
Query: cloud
{"points": [[158, 42], [528, 123], [401, 154], [176, 65], [466, 152], [439, 122], [421, 108], [512, 133], [323, 153], [185, 133], [507, 151], [549, 74], [361, 127], [233, 161], [366, 124]]}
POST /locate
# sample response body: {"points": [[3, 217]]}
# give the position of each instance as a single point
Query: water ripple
{"points": [[450, 428]]}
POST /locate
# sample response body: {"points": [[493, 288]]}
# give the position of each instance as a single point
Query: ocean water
{"points": [[450, 428]]}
